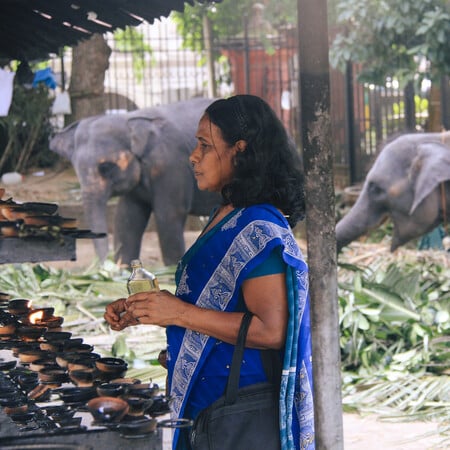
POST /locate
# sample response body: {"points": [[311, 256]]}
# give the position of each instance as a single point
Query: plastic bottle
{"points": [[12, 178], [141, 280]]}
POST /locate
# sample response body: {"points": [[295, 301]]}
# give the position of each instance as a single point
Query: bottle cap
{"points": [[135, 262]]}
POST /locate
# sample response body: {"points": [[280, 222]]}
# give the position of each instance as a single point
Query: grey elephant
{"points": [[410, 183], [142, 157]]}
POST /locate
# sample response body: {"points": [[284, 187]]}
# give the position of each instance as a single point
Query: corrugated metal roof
{"points": [[32, 29]]}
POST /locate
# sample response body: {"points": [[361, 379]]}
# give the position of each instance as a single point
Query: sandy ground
{"points": [[360, 432]]}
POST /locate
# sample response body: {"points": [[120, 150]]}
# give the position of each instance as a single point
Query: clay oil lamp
{"points": [[8, 394], [8, 365], [80, 348], [108, 409], [19, 346], [52, 375], [50, 346], [15, 211], [30, 333], [45, 313], [54, 340], [126, 380], [4, 300], [42, 392], [43, 317], [145, 390], [71, 343], [55, 220], [22, 417], [19, 306], [57, 336], [140, 427], [68, 422], [4, 297], [9, 228], [159, 407], [53, 323], [138, 405], [16, 407], [42, 363], [83, 377], [63, 359], [111, 389], [27, 355], [83, 362], [8, 324], [75, 395], [59, 412], [111, 368]]}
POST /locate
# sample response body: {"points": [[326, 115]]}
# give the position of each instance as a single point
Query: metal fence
{"points": [[160, 70]]}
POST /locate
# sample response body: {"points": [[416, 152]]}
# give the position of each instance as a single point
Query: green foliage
{"points": [[392, 37], [394, 326], [25, 131], [131, 41], [398, 317], [421, 106], [227, 19]]}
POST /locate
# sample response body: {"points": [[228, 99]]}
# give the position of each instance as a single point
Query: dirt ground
{"points": [[360, 432]]}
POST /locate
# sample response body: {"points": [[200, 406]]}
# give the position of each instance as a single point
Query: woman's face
{"points": [[212, 158]]}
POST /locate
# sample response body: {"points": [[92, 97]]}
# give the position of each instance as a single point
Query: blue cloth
{"points": [[210, 275], [45, 76]]}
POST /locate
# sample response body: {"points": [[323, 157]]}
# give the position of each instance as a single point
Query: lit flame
{"points": [[36, 317]]}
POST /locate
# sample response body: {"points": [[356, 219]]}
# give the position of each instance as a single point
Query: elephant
{"points": [[408, 182], [142, 157]]}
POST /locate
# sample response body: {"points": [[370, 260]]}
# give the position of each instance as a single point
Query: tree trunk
{"points": [[314, 91], [434, 122], [90, 60]]}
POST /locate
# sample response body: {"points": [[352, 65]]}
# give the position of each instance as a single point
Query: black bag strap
{"points": [[231, 390]]}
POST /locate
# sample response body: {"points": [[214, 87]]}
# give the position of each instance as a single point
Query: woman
{"points": [[246, 258]]}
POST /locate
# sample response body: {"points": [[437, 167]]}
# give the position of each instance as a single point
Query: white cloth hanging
{"points": [[61, 104], [6, 91]]}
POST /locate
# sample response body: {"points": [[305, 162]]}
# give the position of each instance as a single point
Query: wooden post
{"points": [[320, 221]]}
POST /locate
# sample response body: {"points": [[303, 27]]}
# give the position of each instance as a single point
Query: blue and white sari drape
{"points": [[210, 275]]}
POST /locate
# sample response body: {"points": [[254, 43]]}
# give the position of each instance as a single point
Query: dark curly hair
{"points": [[270, 169]]}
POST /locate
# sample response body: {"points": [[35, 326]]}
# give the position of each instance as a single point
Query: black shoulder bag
{"points": [[242, 419]]}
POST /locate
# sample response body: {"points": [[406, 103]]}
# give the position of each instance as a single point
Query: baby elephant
{"points": [[142, 157], [410, 183]]}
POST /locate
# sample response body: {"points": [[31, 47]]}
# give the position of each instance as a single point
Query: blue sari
{"points": [[210, 275]]}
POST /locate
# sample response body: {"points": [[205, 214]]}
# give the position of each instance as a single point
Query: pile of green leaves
{"points": [[394, 322], [395, 316], [395, 338]]}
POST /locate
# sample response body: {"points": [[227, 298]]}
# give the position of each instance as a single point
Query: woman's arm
{"points": [[264, 296]]}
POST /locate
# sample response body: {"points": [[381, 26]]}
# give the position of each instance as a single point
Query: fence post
{"points": [[350, 122], [410, 107], [445, 101]]}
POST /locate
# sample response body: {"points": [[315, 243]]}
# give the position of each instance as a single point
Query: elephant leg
{"points": [[130, 222], [170, 218], [171, 237]]}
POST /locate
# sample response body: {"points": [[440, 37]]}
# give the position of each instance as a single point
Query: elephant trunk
{"points": [[349, 228], [363, 216], [95, 214]]}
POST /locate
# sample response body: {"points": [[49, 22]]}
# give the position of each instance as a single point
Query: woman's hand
{"points": [[155, 308], [117, 316]]}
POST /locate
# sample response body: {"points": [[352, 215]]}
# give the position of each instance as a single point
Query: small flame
{"points": [[36, 317]]}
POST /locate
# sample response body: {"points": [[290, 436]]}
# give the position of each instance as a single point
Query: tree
{"points": [[90, 59], [227, 18], [395, 38]]}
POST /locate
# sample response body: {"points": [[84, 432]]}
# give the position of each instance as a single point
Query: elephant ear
{"points": [[63, 142], [429, 168], [144, 133]]}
